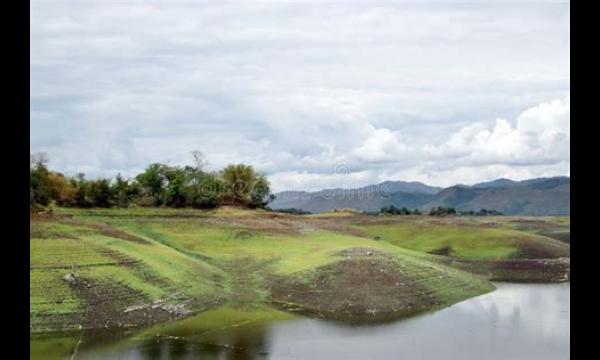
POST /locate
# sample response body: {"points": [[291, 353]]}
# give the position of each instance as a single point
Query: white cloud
{"points": [[537, 146], [294, 88], [383, 145], [550, 125], [541, 135]]}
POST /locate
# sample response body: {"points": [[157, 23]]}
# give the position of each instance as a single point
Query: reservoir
{"points": [[516, 321]]}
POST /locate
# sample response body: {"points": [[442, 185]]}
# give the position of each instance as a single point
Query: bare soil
{"points": [[365, 285], [519, 270], [118, 306]]}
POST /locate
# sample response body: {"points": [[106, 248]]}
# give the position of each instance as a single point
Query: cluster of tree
{"points": [[442, 211], [482, 212], [392, 210], [158, 185], [295, 211]]}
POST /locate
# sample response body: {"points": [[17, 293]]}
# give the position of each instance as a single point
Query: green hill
{"points": [[129, 267]]}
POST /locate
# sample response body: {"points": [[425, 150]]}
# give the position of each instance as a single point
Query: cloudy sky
{"points": [[312, 94]]}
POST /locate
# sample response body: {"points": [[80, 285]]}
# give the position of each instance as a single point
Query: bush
{"points": [[392, 210], [442, 211], [291, 211]]}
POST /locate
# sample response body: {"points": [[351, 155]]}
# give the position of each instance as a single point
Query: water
{"points": [[517, 321]]}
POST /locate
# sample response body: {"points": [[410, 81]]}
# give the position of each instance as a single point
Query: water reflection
{"points": [[514, 322], [517, 321]]}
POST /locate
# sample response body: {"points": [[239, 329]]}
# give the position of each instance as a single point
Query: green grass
{"points": [[302, 255], [556, 227], [151, 270], [59, 252], [466, 241], [290, 253]]}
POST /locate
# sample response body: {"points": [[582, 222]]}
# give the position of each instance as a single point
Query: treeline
{"points": [[442, 211], [392, 210], [294, 211], [157, 185], [437, 211], [482, 212]]}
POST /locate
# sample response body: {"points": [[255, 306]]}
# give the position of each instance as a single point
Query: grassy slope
{"points": [[210, 322], [233, 254], [468, 239], [150, 270], [298, 256], [556, 227]]}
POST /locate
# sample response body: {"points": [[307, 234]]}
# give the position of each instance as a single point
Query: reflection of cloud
{"points": [[533, 313], [515, 321]]}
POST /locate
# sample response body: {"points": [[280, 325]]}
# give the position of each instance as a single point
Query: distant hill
{"points": [[367, 198], [541, 196], [537, 183]]}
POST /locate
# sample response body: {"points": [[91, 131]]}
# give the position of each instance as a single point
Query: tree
{"points": [[99, 192], [441, 211], [176, 182], [261, 193], [204, 191], [61, 189], [123, 192], [81, 196], [239, 183], [40, 191], [199, 160], [152, 182], [157, 185]]}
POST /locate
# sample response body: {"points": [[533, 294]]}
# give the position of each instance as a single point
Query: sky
{"points": [[314, 95]]}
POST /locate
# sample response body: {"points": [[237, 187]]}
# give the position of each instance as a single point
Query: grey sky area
{"points": [[439, 92]]}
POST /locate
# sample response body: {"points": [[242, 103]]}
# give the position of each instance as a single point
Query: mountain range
{"points": [[540, 196]]}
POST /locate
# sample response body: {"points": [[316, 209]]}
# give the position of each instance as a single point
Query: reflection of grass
{"points": [[52, 347], [219, 319]]}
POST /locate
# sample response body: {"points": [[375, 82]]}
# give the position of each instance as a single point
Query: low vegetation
{"points": [[481, 212], [392, 210], [292, 211], [442, 211]]}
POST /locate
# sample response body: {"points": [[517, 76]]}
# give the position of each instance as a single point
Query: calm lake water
{"points": [[517, 321]]}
